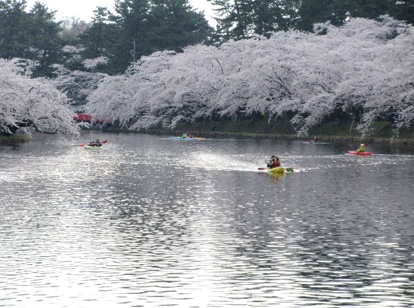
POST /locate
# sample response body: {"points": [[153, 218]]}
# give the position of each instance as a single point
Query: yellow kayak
{"points": [[278, 170]]}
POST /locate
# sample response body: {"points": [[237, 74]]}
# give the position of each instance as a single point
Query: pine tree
{"points": [[241, 19], [43, 38], [13, 37], [174, 25]]}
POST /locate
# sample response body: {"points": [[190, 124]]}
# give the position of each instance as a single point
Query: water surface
{"points": [[150, 222]]}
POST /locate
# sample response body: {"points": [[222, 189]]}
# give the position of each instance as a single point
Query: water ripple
{"points": [[198, 227]]}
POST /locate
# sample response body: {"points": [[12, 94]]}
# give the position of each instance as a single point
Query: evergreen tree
{"points": [[319, 11], [174, 25], [100, 39], [13, 37], [370, 9], [270, 15], [233, 19], [97, 34], [403, 10], [241, 19], [337, 12], [132, 20], [145, 26], [43, 38], [32, 35]]}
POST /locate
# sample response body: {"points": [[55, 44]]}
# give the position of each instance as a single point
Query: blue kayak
{"points": [[187, 138]]}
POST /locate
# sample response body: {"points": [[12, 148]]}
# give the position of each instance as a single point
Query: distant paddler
{"points": [[361, 148]]}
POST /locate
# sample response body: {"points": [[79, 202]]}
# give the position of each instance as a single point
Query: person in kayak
{"points": [[274, 162], [96, 143], [184, 135], [361, 148], [313, 140]]}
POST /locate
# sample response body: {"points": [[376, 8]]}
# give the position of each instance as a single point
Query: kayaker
{"points": [[315, 139], [184, 135], [274, 162], [361, 148], [98, 143], [92, 143], [190, 135]]}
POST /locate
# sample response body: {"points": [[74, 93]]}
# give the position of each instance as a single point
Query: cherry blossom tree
{"points": [[71, 78], [363, 70], [92, 64], [27, 102], [77, 85]]}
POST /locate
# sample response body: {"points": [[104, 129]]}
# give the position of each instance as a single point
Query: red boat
{"points": [[359, 153], [82, 117]]}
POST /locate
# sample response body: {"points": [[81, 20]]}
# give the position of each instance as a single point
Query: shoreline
{"points": [[382, 131], [243, 131], [14, 139], [245, 135]]}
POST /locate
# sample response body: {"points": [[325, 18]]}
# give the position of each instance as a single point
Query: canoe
{"points": [[187, 138], [359, 153]]}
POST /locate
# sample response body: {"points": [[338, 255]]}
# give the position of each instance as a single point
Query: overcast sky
{"points": [[84, 8]]}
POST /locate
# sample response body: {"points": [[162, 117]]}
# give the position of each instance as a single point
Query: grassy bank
{"points": [[13, 139]]}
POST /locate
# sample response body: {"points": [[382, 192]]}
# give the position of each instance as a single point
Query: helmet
{"points": [[362, 144]]}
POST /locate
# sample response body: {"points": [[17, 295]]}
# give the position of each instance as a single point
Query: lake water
{"points": [[151, 222]]}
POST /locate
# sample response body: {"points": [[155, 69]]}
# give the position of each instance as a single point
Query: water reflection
{"points": [[152, 222]]}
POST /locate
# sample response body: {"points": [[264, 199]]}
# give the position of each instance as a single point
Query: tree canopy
{"points": [[31, 35], [141, 27], [363, 70], [240, 19], [304, 60], [31, 102]]}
